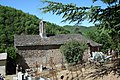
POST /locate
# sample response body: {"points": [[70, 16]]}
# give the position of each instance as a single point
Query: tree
{"points": [[14, 21], [102, 38], [73, 51], [107, 17]]}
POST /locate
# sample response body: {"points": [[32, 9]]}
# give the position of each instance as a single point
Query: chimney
{"points": [[42, 31]]}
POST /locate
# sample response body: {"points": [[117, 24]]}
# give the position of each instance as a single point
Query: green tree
{"points": [[14, 21], [102, 38], [107, 17], [73, 51], [11, 52]]}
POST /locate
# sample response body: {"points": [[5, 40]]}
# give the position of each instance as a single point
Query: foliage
{"points": [[102, 38], [107, 1], [76, 29], [107, 17], [55, 29], [11, 52], [14, 21], [93, 33], [70, 11], [73, 51]]}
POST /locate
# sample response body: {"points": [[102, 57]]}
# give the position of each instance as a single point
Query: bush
{"points": [[11, 52], [73, 51]]}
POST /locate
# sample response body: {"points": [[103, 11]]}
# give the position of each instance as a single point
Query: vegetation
{"points": [[108, 32], [55, 29], [76, 29], [73, 51], [94, 34], [14, 21], [107, 17], [101, 38]]}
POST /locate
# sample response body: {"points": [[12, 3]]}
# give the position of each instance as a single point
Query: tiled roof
{"points": [[27, 40]]}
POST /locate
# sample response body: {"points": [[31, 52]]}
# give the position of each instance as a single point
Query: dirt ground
{"points": [[84, 76], [86, 73], [68, 76], [75, 73]]}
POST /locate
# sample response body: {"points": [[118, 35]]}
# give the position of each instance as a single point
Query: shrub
{"points": [[73, 51]]}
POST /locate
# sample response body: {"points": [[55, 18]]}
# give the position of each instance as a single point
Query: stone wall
{"points": [[30, 56]]}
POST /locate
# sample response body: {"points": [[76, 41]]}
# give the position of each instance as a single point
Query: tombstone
{"points": [[109, 52], [25, 75], [41, 68], [30, 78], [15, 78], [115, 54], [20, 76]]}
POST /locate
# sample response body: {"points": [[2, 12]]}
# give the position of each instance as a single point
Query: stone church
{"points": [[39, 48]]}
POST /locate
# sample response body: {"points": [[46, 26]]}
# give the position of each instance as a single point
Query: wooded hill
{"points": [[80, 29], [13, 21]]}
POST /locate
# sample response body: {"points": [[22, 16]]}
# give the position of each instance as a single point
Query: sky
{"points": [[32, 7]]}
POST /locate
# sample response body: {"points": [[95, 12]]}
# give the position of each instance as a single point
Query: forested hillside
{"points": [[98, 35], [80, 29], [14, 21]]}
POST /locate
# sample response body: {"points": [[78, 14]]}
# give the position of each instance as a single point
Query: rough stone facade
{"points": [[38, 49], [31, 56]]}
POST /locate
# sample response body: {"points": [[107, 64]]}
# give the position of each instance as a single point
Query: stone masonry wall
{"points": [[40, 56]]}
